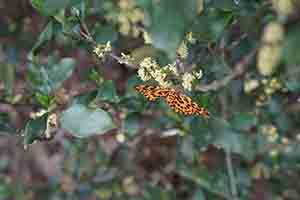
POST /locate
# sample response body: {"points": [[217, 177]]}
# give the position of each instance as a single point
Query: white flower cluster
{"points": [[172, 68], [125, 59], [101, 50], [149, 69], [188, 78]]}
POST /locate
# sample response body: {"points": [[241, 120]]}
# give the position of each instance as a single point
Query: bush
{"points": [[144, 99]]}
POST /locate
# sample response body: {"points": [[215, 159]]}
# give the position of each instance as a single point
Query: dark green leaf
{"points": [[243, 121], [292, 47], [223, 4], [167, 28], [131, 124], [44, 100], [35, 129], [82, 121], [47, 78], [155, 192], [231, 140], [204, 30], [293, 85], [105, 33], [44, 37], [107, 92], [60, 72], [199, 195]]}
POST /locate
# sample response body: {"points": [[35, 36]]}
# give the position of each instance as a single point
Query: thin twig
{"points": [[233, 185]]}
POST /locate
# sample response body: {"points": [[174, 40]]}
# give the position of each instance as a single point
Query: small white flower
{"points": [[187, 80], [145, 76], [172, 68], [199, 74]]}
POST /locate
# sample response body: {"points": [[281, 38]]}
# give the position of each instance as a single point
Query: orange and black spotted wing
{"points": [[184, 105], [152, 92], [179, 102]]}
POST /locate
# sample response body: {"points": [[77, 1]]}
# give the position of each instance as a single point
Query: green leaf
{"points": [[44, 37], [107, 92], [105, 33], [47, 78], [223, 4], [155, 192], [231, 140], [199, 195], [243, 121], [51, 7], [60, 72], [203, 28], [34, 129], [131, 124], [293, 85], [167, 28], [292, 47], [44, 100], [82, 121]]}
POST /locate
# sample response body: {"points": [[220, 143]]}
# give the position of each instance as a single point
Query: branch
{"points": [[239, 69], [233, 185]]}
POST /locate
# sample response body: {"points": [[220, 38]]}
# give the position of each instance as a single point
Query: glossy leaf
{"points": [[34, 129], [44, 37], [291, 47], [166, 32], [82, 121], [47, 78]]}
